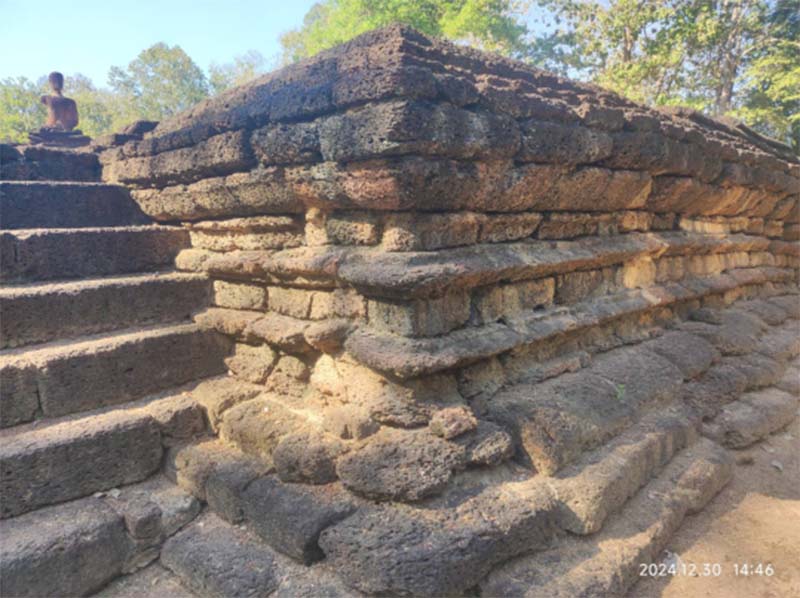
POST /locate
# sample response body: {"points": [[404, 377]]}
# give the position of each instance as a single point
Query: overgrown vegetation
{"points": [[738, 58]]}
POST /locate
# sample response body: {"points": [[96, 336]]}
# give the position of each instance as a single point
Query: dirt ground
{"points": [[755, 519]]}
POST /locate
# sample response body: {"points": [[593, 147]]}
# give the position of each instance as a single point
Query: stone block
{"points": [[216, 559], [288, 143], [544, 141], [404, 127], [307, 456], [260, 191], [291, 517], [421, 317], [66, 550], [256, 426], [239, 296], [20, 396], [62, 461], [511, 300], [497, 228], [452, 421], [426, 232], [251, 363], [555, 421], [219, 155], [400, 465]]}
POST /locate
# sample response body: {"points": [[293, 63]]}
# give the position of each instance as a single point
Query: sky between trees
{"points": [[738, 58]]}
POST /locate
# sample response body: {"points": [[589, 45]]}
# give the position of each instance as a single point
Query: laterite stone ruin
{"points": [[404, 319]]}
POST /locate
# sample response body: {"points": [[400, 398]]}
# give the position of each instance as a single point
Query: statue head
{"points": [[56, 81]]}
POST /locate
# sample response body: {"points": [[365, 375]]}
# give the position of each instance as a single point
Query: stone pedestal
{"points": [[55, 138]]}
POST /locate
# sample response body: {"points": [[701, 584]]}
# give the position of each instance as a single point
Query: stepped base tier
{"points": [[485, 330]]}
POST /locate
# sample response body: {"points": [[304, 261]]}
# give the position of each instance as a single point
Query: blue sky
{"points": [[89, 36]]}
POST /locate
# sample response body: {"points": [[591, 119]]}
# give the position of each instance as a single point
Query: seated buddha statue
{"points": [[62, 117], [62, 113]]}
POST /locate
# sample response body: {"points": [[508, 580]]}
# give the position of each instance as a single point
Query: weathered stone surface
{"points": [[690, 353], [600, 483], [260, 191], [395, 128], [226, 483], [220, 394], [488, 445], [755, 416], [640, 377], [452, 421], [308, 457], [328, 336], [71, 550], [20, 396], [215, 559], [423, 317], [218, 155], [607, 563], [252, 363], [544, 141], [426, 232], [400, 465], [152, 511], [291, 517], [51, 464], [41, 204], [256, 426], [438, 553], [151, 582], [553, 422], [287, 143], [239, 296], [113, 369], [47, 254], [510, 300], [45, 312]]}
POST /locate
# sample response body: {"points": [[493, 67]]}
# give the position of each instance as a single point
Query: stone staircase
{"points": [[98, 359]]}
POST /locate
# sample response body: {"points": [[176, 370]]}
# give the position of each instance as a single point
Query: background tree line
{"points": [[738, 58]]}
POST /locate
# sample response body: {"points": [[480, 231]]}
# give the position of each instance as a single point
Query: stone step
{"points": [[608, 563], [46, 463], [555, 421], [154, 581], [754, 417], [40, 163], [213, 558], [49, 254], [410, 357], [76, 548], [38, 313], [67, 377], [52, 204]]}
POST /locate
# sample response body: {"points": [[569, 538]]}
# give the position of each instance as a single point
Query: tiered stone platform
{"points": [[493, 331]]}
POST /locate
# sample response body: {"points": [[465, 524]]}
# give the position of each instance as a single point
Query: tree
{"points": [[489, 24], [160, 82], [20, 109], [771, 81], [244, 68], [95, 106], [717, 56]]}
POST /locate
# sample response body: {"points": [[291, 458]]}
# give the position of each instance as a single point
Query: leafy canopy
{"points": [[487, 24]]}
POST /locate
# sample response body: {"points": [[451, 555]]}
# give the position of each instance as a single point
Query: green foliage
{"points": [[244, 68], [158, 83], [723, 57], [771, 81], [20, 109], [488, 24]]}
